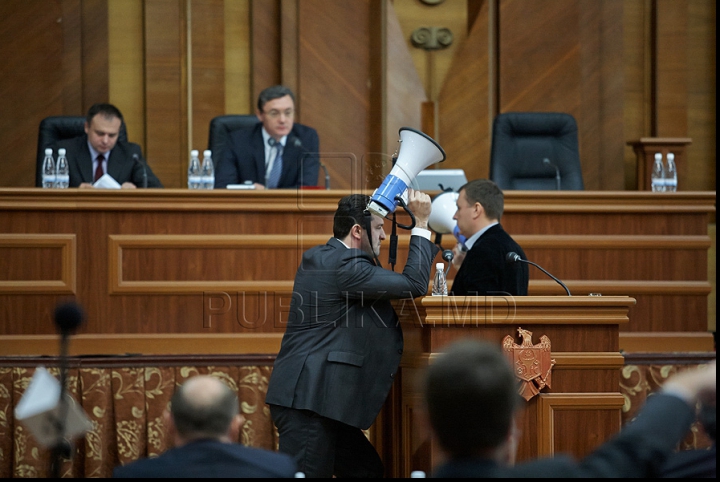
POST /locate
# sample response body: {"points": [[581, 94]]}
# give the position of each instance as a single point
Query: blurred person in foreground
{"points": [[343, 342], [204, 423], [472, 400]]}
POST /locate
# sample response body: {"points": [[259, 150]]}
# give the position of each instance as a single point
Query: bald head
{"points": [[203, 407]]}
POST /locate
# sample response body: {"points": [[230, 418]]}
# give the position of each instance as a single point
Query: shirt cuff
{"points": [[425, 233]]}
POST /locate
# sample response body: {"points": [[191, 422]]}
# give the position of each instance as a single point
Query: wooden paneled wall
{"points": [[624, 69]]}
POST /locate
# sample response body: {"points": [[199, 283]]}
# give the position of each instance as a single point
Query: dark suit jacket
{"points": [[342, 345], [210, 459], [120, 166], [638, 451], [245, 158], [691, 464], [485, 271]]}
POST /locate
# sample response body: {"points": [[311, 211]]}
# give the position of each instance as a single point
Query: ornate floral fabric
{"points": [[125, 406]]}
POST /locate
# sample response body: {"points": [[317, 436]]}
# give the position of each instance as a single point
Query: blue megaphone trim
{"points": [[461, 239], [385, 195]]}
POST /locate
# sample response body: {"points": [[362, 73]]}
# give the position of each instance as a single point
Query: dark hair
{"points": [[107, 110], [471, 396], [211, 418], [488, 194], [350, 211], [274, 92]]}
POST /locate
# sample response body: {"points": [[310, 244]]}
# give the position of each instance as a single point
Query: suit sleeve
{"points": [[226, 171], [357, 273], [480, 272], [310, 159]]}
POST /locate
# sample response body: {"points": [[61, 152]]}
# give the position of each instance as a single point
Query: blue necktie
{"points": [[274, 176]]}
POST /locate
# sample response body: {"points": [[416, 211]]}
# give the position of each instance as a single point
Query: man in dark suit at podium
{"points": [[205, 422], [275, 153], [342, 345], [99, 152], [471, 395], [483, 268]]}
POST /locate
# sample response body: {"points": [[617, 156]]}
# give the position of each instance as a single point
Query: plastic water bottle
{"points": [[208, 171], [194, 171], [48, 170], [657, 177], [671, 173], [439, 287], [62, 171]]}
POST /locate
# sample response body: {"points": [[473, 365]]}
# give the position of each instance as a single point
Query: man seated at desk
{"points": [[98, 152], [275, 153], [482, 264]]}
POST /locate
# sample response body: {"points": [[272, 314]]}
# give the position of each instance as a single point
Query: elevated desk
{"points": [[179, 271]]}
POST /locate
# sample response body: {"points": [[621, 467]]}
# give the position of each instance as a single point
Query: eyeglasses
{"points": [[274, 114]]}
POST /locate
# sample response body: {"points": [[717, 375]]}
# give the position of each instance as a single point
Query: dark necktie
{"points": [[99, 170], [274, 176]]}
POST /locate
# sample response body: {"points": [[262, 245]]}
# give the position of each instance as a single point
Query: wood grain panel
{"points": [[207, 71], [31, 86], [553, 436], [165, 90], [238, 72], [265, 44], [336, 88], [55, 271], [95, 54], [404, 92], [466, 101], [671, 81]]}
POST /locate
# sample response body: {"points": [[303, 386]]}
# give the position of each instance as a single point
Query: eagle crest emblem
{"points": [[532, 364]]}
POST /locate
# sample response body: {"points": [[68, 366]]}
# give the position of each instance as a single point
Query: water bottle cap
{"points": [[48, 152], [658, 156], [61, 151], [207, 152], [194, 153], [671, 156], [439, 266]]}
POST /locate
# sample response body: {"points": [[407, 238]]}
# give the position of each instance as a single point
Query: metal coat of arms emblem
{"points": [[532, 363]]}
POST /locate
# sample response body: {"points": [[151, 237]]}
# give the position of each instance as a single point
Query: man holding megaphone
{"points": [[343, 343], [483, 268]]}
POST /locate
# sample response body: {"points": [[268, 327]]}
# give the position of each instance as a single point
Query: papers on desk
{"points": [[107, 182], [241, 186], [39, 409]]}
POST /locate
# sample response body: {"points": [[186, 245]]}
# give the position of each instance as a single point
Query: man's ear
{"points": [[235, 426], [478, 210], [356, 232], [87, 128]]}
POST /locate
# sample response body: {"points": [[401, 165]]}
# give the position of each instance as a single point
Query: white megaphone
{"points": [[416, 152], [444, 206]]}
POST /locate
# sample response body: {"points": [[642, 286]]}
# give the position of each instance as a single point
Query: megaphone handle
{"points": [[400, 200]]}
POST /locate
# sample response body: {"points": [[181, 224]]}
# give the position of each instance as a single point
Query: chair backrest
{"points": [[58, 128], [520, 143], [220, 129]]}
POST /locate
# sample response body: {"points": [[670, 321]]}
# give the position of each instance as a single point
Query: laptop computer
{"points": [[439, 179]]}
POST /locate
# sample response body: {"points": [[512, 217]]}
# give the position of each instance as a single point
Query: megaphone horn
{"points": [[417, 151]]}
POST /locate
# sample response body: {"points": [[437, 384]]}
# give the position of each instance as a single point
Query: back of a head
{"points": [[488, 194], [471, 396], [106, 110], [273, 92], [203, 407], [350, 211]]}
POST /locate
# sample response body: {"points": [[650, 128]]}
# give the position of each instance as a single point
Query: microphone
{"points": [[68, 318], [513, 257], [136, 158], [298, 143], [547, 162], [448, 256]]}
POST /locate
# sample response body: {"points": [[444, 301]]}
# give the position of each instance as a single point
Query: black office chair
{"points": [[58, 128], [220, 129], [535, 151]]}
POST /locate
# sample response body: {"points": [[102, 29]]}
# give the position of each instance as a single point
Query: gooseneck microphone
{"points": [[136, 158], [513, 257], [298, 143], [547, 162], [68, 318], [448, 256]]}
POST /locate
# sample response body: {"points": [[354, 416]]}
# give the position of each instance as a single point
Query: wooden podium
{"points": [[580, 410]]}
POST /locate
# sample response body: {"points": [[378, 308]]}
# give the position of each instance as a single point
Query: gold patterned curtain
{"points": [[638, 381], [125, 405]]}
